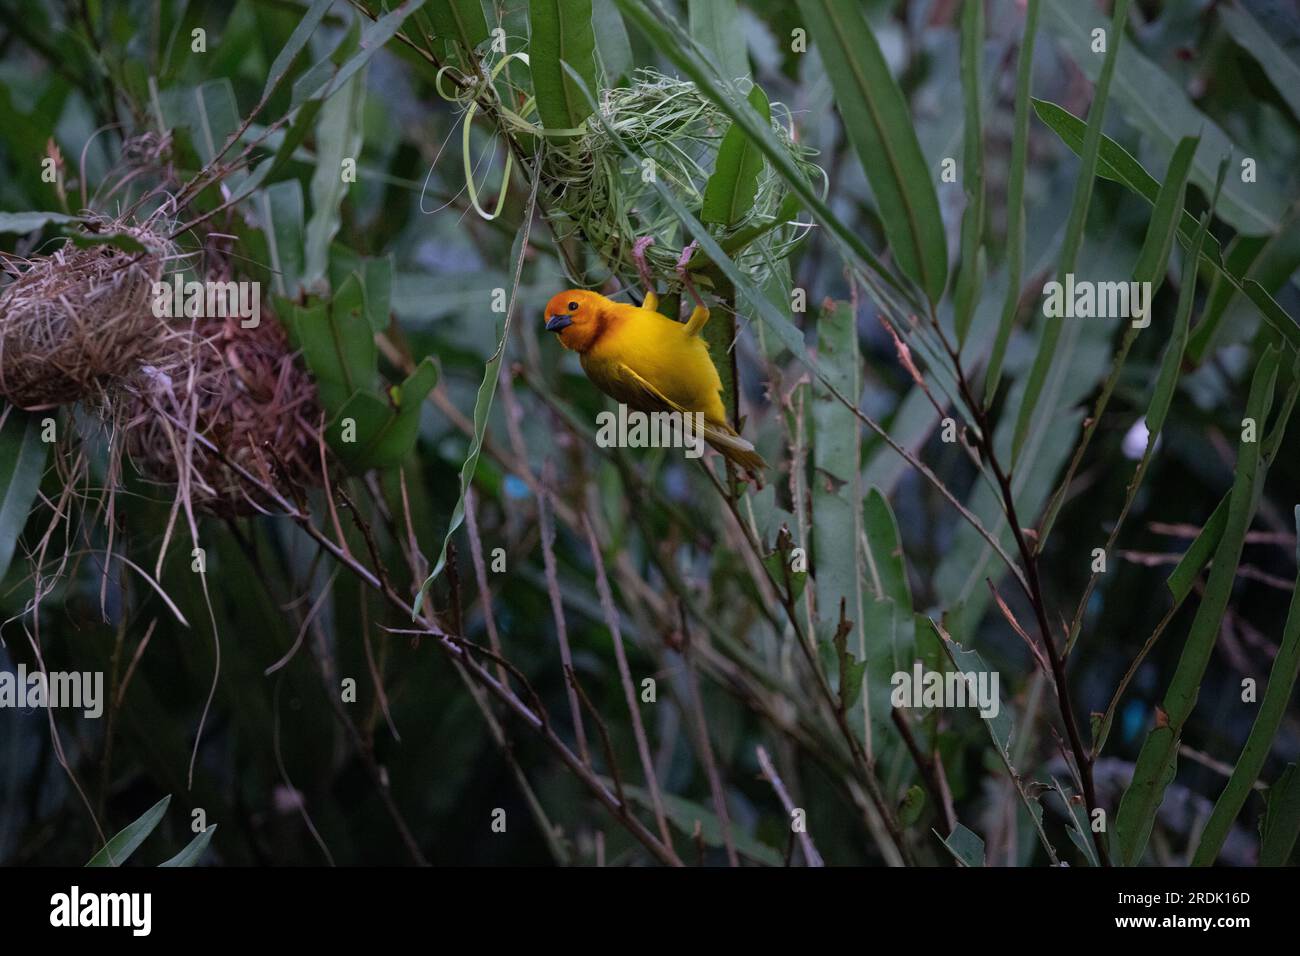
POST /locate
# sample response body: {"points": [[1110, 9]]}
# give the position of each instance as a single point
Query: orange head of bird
{"points": [[577, 318]]}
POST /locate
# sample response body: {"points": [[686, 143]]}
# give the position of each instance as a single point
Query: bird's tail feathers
{"points": [[727, 441]]}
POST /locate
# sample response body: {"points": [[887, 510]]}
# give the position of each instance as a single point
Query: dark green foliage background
{"points": [[64, 76]]}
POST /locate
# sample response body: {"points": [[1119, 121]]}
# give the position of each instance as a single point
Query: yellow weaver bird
{"points": [[648, 361]]}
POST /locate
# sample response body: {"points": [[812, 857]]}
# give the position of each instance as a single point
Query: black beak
{"points": [[558, 323]]}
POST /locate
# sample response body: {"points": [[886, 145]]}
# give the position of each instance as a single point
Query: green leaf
{"points": [[215, 118], [716, 24], [338, 345], [1032, 411], [24, 222], [1117, 164], [459, 20], [338, 138], [685, 814], [1015, 204], [877, 122], [294, 45], [741, 238], [778, 564], [913, 806], [376, 277], [560, 32], [282, 214], [1271, 264], [613, 48], [851, 669], [971, 275], [889, 633], [1153, 260], [386, 431], [999, 726], [1281, 823], [1171, 364], [119, 240], [120, 847], [886, 565], [1281, 68], [193, 851], [1079, 828], [1183, 577], [729, 193], [1237, 260], [326, 78], [1157, 762], [1152, 263], [969, 661], [22, 463], [966, 846], [1157, 104], [1281, 681], [835, 442]]}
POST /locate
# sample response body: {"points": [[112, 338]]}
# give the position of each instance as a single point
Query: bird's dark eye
{"points": [[573, 307]]}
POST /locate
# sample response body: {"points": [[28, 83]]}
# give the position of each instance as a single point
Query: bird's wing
{"points": [[626, 385], [634, 390]]}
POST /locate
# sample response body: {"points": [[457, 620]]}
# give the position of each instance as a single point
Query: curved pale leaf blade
{"points": [[193, 851], [118, 849]]}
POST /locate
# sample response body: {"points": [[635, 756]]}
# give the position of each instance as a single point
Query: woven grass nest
{"points": [[590, 181], [74, 321], [243, 392]]}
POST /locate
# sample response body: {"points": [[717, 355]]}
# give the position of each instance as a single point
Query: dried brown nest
{"points": [[75, 321], [236, 390]]}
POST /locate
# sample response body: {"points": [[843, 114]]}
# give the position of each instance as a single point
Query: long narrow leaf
{"points": [[970, 276], [836, 499], [120, 847], [1281, 681], [731, 188], [295, 44], [1152, 262], [338, 138], [1281, 67], [877, 122], [1030, 407], [193, 851], [1157, 761], [716, 23], [560, 32], [1015, 204], [1158, 105], [1281, 824], [1117, 164], [1273, 263], [461, 21]]}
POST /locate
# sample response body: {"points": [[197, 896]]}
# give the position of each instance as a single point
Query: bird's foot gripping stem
{"points": [[684, 273], [643, 270]]}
